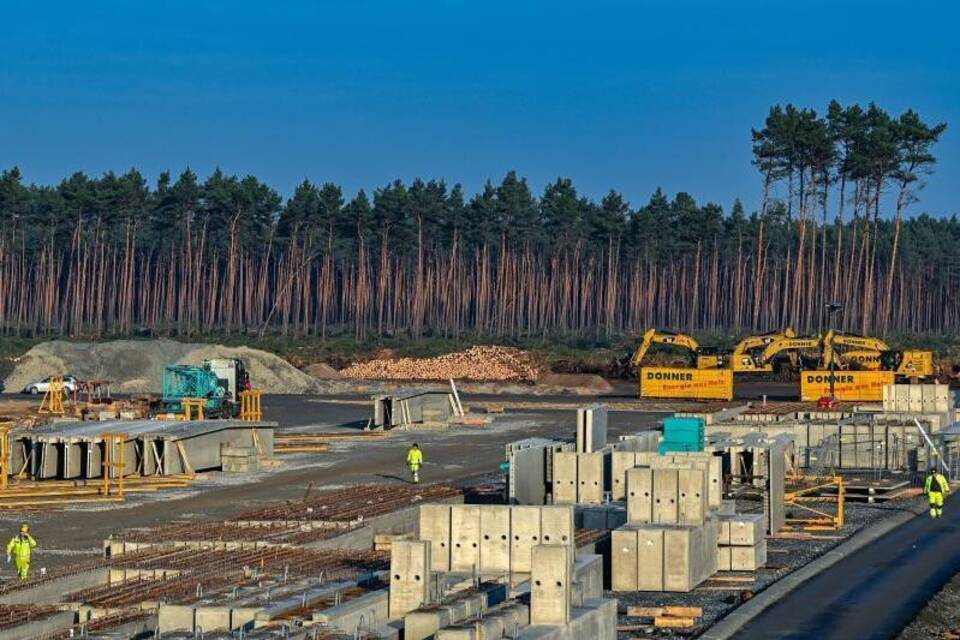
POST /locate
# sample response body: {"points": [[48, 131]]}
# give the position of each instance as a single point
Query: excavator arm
{"points": [[785, 344], [682, 340], [746, 356]]}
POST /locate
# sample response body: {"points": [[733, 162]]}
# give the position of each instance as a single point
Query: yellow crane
{"points": [[704, 357], [746, 355]]}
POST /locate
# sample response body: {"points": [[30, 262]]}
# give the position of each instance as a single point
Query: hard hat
{"points": [[416, 445], [24, 528]]}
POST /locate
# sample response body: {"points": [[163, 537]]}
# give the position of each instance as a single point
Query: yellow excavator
{"points": [[746, 355], [703, 357], [792, 346], [873, 354]]}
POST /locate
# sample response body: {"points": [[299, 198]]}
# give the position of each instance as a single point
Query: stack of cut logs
{"points": [[476, 363]]}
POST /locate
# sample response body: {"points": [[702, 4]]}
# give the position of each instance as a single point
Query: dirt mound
{"points": [[476, 363], [589, 381], [322, 370], [137, 365]]}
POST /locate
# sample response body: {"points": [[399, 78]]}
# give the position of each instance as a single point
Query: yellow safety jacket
{"points": [[941, 485], [20, 546], [414, 458]]}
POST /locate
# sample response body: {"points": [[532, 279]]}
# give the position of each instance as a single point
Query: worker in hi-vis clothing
{"points": [[19, 549], [937, 488], [414, 462]]}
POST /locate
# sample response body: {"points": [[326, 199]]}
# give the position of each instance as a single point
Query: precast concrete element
{"points": [[365, 612], [748, 558], [742, 529], [495, 539], [692, 495], [639, 495], [502, 622], [411, 407], [434, 528], [550, 584], [591, 428], [74, 450], [620, 462], [410, 576], [636, 558], [601, 516], [590, 477], [565, 482], [525, 534], [666, 489], [638, 442], [465, 538], [424, 623], [556, 525], [596, 620], [530, 463], [918, 398], [689, 555], [587, 577], [773, 495]]}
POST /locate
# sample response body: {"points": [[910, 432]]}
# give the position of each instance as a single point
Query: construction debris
{"points": [[490, 363]]}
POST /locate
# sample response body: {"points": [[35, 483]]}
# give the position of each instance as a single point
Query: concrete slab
{"points": [[556, 524], [620, 461], [495, 539], [525, 532], [590, 477], [410, 576], [640, 495], [665, 494], [591, 428], [564, 477], [550, 584], [435, 529], [623, 559], [650, 558], [692, 497], [465, 537]]}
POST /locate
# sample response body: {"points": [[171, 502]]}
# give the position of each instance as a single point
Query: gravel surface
{"points": [[783, 556], [940, 618]]}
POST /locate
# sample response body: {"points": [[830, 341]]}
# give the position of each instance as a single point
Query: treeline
{"points": [[116, 256]]}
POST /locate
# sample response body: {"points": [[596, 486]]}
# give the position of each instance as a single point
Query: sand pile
{"points": [[489, 363], [136, 366]]}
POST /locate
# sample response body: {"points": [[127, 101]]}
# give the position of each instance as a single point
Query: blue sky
{"points": [[624, 95]]}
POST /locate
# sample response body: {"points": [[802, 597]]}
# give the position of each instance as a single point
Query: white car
{"points": [[42, 386]]}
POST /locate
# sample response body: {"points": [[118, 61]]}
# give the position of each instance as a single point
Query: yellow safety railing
{"points": [[250, 405], [52, 401], [190, 405], [819, 519], [114, 462]]}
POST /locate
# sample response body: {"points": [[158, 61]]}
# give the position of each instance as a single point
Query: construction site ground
{"points": [[464, 456]]}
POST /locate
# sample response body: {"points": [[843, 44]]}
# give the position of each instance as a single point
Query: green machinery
{"points": [[217, 382]]}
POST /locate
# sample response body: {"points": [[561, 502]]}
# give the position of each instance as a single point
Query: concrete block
{"points": [[528, 475], [623, 559], [723, 529], [435, 528], [723, 559], [556, 524], [464, 537], [550, 584], [715, 479], [692, 497], [591, 428], [746, 529], [640, 495], [774, 493], [564, 477], [650, 558], [590, 477], [525, 532], [665, 494], [689, 556], [495, 539], [410, 576], [620, 461], [587, 577], [748, 558]]}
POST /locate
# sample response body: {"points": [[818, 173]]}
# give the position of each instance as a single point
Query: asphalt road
{"points": [[872, 593]]}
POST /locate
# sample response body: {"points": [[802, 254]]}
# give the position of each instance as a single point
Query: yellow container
{"points": [[697, 384], [861, 386]]}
